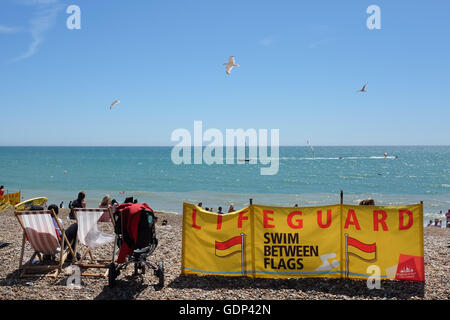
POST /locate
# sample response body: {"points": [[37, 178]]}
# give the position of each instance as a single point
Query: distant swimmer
{"points": [[363, 88], [385, 155]]}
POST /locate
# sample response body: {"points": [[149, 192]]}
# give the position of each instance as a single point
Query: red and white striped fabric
{"points": [[88, 232], [40, 231]]}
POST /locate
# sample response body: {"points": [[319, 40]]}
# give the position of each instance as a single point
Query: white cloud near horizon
{"points": [[41, 22]]}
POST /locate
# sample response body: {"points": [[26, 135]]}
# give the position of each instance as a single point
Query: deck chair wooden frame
{"points": [[28, 269], [93, 263]]}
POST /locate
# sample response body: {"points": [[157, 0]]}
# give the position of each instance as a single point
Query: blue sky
{"points": [[301, 63]]}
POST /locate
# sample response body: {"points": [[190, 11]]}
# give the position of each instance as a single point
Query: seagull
{"points": [[113, 104], [230, 64], [363, 88]]}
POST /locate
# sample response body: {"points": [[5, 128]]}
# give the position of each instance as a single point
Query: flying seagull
{"points": [[363, 88], [113, 104], [230, 64]]}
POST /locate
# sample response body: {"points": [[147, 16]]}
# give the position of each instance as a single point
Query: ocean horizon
{"points": [[408, 174]]}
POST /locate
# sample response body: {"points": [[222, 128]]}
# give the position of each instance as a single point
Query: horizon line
{"points": [[168, 146]]}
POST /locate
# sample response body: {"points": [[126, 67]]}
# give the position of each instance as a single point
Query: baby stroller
{"points": [[134, 226]]}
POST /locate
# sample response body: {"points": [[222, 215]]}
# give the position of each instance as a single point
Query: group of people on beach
{"points": [[438, 222], [219, 209]]}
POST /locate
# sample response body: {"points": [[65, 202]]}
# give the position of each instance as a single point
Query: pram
{"points": [[134, 226]]}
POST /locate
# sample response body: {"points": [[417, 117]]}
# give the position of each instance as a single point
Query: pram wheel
{"points": [[139, 266], [159, 272], [112, 275]]}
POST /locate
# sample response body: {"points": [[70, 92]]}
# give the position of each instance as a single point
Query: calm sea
{"points": [[408, 174]]}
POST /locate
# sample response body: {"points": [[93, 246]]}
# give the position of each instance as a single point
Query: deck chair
{"points": [[40, 232], [89, 235]]}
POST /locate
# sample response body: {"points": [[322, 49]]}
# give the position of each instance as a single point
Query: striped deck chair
{"points": [[91, 237], [40, 231]]}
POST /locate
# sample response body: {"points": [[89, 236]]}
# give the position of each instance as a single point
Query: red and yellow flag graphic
{"points": [[228, 247], [364, 251]]}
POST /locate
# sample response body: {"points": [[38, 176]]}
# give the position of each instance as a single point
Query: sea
{"points": [[306, 177]]}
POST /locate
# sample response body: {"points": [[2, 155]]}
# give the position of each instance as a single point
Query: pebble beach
{"points": [[195, 287]]}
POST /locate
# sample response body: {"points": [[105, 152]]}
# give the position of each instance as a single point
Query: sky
{"points": [[301, 64]]}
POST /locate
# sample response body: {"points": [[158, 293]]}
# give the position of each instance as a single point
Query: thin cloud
{"points": [[267, 41], [43, 20], [8, 30], [321, 42], [323, 34], [29, 2]]}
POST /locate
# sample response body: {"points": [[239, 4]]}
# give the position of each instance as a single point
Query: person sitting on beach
{"points": [[207, 209], [430, 224], [105, 204], [55, 209], [220, 210], [436, 223], [367, 202], [231, 208], [77, 203], [447, 218], [200, 204], [70, 235]]}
